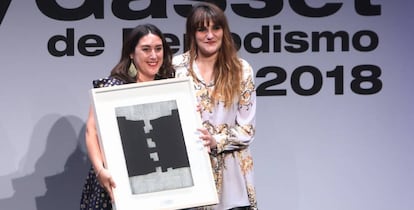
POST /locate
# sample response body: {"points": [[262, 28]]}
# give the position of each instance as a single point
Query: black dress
{"points": [[94, 196]]}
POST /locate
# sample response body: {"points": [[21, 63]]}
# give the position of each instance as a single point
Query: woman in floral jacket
{"points": [[226, 94]]}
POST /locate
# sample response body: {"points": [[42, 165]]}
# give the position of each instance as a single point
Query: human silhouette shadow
{"points": [[59, 173]]}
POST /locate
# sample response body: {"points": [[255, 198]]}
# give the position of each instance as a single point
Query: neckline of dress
{"points": [[200, 78]]}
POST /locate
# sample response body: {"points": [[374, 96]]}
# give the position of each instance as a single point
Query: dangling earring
{"points": [[132, 70]]}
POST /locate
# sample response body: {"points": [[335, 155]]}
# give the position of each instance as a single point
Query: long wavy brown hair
{"points": [[120, 71], [228, 68]]}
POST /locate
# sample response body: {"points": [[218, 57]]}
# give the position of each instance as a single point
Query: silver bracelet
{"points": [[99, 171]]}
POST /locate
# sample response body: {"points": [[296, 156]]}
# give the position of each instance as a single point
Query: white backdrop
{"points": [[323, 151]]}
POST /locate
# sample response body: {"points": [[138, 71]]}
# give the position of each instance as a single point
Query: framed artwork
{"points": [[149, 140]]}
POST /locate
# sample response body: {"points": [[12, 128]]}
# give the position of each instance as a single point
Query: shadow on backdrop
{"points": [[8, 158], [59, 173]]}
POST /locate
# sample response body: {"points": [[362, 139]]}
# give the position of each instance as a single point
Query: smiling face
{"points": [[208, 38], [148, 57]]}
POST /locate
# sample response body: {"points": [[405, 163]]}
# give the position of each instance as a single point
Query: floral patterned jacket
{"points": [[234, 129]]}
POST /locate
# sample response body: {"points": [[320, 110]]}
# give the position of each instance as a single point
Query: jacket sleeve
{"points": [[242, 133]]}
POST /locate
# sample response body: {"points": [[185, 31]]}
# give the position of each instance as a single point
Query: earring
{"points": [[132, 70]]}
